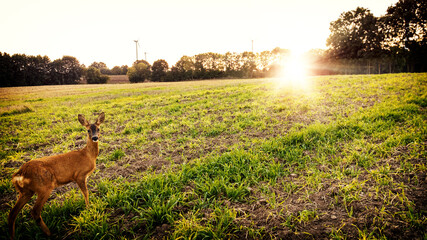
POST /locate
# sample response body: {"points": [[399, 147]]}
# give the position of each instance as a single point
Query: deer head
{"points": [[92, 129]]}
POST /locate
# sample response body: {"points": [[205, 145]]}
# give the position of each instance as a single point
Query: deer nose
{"points": [[94, 139]]}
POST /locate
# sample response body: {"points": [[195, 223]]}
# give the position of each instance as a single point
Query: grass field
{"points": [[235, 159]]}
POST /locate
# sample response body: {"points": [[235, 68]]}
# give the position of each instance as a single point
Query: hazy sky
{"points": [[104, 31]]}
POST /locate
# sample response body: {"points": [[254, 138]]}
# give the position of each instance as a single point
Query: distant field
{"points": [[114, 79], [343, 157]]}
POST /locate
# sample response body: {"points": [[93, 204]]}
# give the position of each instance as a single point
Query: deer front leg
{"points": [[81, 182]]}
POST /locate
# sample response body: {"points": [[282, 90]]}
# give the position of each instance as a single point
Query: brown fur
{"points": [[41, 176]]}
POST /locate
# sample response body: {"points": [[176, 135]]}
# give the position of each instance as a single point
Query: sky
{"points": [[104, 31]]}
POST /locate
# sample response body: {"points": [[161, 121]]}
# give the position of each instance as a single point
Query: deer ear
{"points": [[83, 121], [100, 119]]}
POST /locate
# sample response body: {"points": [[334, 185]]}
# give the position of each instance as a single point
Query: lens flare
{"points": [[294, 74]]}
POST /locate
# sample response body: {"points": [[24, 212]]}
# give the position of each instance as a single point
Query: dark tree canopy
{"points": [[405, 30], [23, 70], [159, 71], [355, 34], [395, 41], [406, 23], [66, 70]]}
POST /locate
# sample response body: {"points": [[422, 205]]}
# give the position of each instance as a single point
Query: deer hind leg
{"points": [[36, 212], [82, 183], [24, 197]]}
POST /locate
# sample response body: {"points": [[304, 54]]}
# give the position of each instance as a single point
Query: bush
{"points": [[94, 76]]}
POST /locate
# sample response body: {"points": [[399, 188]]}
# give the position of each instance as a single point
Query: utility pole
{"points": [[252, 60], [145, 53], [136, 44]]}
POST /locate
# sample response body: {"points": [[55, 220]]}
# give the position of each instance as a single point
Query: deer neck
{"points": [[92, 148]]}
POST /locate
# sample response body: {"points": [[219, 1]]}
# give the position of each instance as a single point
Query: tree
{"points": [[101, 66], [65, 71], [264, 60], [6, 73], [248, 63], [184, 68], [98, 65], [19, 63], [139, 72], [119, 70], [355, 34], [232, 64], [405, 30], [173, 75], [94, 76], [23, 70], [208, 65], [116, 70], [124, 69], [37, 71], [159, 70], [200, 65]]}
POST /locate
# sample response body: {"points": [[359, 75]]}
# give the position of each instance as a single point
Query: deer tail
{"points": [[18, 180]]}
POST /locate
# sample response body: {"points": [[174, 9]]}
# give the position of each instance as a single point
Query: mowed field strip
{"points": [[342, 157]]}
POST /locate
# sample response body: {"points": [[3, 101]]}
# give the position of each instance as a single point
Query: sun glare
{"points": [[294, 72]]}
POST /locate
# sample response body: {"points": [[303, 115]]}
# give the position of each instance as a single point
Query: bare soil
{"points": [[118, 79]]}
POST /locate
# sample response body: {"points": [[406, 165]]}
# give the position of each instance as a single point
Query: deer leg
{"points": [[82, 182], [24, 197], [36, 212]]}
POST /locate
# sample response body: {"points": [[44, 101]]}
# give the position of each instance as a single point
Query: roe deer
{"points": [[41, 176]]}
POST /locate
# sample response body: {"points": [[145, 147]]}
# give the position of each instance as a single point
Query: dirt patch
{"points": [[130, 167], [118, 79], [307, 213]]}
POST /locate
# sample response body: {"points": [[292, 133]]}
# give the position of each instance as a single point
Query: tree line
{"points": [[359, 43], [26, 70], [209, 66], [362, 43], [23, 70]]}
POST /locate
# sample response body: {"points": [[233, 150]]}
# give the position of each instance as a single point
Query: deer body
{"points": [[55, 171], [41, 176]]}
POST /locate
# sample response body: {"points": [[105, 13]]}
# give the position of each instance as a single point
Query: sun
{"points": [[295, 67], [294, 72]]}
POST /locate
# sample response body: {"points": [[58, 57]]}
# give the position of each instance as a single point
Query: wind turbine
{"points": [[136, 45]]}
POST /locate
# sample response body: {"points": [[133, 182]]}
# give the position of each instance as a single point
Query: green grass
{"points": [[230, 158]]}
